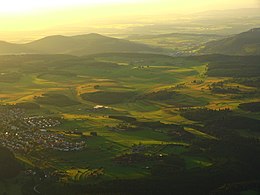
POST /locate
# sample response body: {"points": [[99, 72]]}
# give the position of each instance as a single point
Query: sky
{"points": [[25, 16], [18, 7]]}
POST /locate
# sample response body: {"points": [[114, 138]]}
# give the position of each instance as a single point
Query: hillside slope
{"points": [[246, 43]]}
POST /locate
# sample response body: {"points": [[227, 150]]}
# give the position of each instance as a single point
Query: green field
{"points": [[143, 98]]}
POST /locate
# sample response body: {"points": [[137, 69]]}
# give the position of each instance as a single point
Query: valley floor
{"points": [[130, 117]]}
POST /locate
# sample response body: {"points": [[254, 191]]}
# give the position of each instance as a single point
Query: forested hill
{"points": [[76, 45], [246, 43]]}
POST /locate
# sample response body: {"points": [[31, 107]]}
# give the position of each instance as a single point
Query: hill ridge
{"points": [[85, 44], [245, 43]]}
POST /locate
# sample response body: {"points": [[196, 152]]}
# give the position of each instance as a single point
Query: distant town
{"points": [[24, 134]]}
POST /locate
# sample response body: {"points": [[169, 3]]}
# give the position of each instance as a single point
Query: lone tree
{"points": [[93, 134]]}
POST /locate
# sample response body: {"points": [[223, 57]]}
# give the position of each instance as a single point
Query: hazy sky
{"points": [[13, 7], [39, 15]]}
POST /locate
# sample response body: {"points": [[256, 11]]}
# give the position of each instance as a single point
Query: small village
{"points": [[20, 133]]}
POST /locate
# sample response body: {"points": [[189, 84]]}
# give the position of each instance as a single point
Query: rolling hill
{"points": [[246, 43], [11, 48], [76, 45]]}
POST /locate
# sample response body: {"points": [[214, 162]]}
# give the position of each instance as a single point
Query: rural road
{"points": [[35, 189]]}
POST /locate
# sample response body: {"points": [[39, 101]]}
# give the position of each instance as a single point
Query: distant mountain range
{"points": [[246, 43], [76, 45]]}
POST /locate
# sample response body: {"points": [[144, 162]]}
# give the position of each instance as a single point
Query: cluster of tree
{"points": [[204, 114], [147, 125], [132, 158], [10, 77], [160, 95], [169, 166], [251, 82], [59, 100], [252, 106], [27, 105], [231, 123], [219, 87], [124, 118], [231, 66]]}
